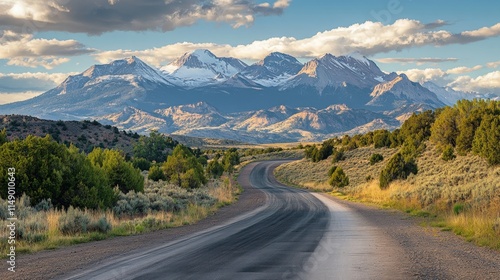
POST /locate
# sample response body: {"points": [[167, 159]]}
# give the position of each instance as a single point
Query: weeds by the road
{"points": [[462, 195], [162, 205]]}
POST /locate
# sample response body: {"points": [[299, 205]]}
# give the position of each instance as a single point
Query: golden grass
{"points": [[436, 190]]}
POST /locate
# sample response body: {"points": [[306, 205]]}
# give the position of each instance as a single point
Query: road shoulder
{"points": [[428, 253]]}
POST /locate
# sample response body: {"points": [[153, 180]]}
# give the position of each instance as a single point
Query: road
{"points": [[295, 235]]}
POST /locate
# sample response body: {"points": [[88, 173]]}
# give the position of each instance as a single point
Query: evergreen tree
{"points": [[397, 168], [118, 171], [338, 179], [381, 138], [155, 147], [444, 131], [156, 173], [230, 159], [487, 139], [215, 169]]}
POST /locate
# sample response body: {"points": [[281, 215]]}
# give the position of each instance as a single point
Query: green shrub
{"points": [[102, 225], [337, 156], [215, 169], [448, 153], [338, 178], [44, 205], [33, 228], [74, 221], [375, 158], [397, 168], [156, 173], [381, 138], [141, 163], [458, 208]]}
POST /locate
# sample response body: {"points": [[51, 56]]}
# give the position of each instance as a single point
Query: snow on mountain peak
{"points": [[359, 57], [202, 67], [338, 108], [204, 56]]}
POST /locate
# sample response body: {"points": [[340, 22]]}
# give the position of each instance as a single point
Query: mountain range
{"points": [[277, 99]]}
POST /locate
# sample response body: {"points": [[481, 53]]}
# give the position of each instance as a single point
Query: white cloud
{"points": [[281, 4], [495, 64], [99, 16], [6, 98], [463, 70], [489, 83], [24, 50], [22, 86], [47, 62], [30, 82], [424, 75], [437, 75], [368, 38], [418, 61]]}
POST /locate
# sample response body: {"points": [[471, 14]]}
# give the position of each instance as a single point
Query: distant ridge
{"points": [[277, 99]]}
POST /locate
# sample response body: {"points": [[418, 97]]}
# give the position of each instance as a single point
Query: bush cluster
{"points": [[160, 196], [47, 170], [397, 168], [338, 179], [375, 158]]}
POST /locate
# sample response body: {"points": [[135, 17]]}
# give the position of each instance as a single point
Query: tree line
{"points": [[47, 170]]}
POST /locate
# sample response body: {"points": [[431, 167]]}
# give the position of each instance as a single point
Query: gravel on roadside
{"points": [[429, 252]]}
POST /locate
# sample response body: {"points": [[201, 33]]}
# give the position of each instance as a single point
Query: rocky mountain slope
{"points": [[200, 94]]}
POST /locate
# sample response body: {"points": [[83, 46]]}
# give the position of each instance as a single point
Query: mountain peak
{"points": [[203, 55], [326, 56], [202, 67], [359, 57], [273, 70], [129, 66]]}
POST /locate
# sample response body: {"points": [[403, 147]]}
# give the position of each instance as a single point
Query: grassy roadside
{"points": [[462, 195], [161, 206]]}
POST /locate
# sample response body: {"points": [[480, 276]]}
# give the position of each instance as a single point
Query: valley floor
{"points": [[423, 252]]}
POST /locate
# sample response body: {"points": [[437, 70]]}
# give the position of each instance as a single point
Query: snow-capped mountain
{"points": [[401, 91], [202, 67], [449, 96], [331, 71], [273, 70], [200, 94], [99, 90]]}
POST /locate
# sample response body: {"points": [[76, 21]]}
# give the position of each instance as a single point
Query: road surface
{"points": [[294, 235]]}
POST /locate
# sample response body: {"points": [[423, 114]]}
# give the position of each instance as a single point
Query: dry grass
{"points": [[42, 230], [463, 193], [314, 176]]}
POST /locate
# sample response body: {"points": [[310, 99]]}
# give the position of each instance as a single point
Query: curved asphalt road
{"points": [[295, 235]]}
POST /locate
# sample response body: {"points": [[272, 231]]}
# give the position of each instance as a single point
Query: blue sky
{"points": [[41, 42]]}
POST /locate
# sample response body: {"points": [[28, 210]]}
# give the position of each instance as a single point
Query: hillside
{"points": [[85, 135], [464, 193], [443, 164]]}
